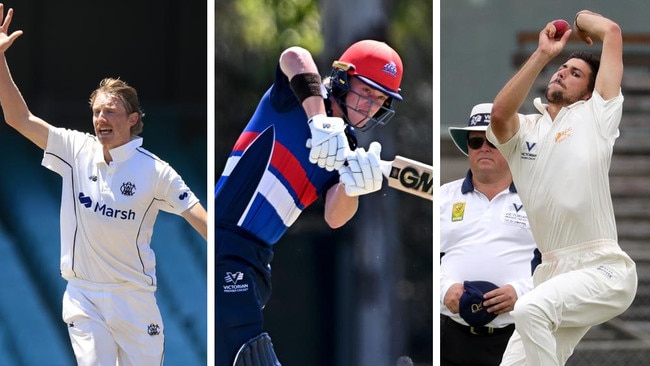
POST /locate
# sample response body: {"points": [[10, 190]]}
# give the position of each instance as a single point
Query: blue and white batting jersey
{"points": [[544, 152], [483, 240], [108, 210], [268, 179]]}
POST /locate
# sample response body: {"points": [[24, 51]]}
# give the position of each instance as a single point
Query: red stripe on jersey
{"points": [[244, 141], [288, 166]]}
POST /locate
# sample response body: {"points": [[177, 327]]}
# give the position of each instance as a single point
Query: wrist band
{"points": [[575, 21], [306, 85]]}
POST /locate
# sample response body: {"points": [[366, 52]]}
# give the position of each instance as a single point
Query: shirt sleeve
{"points": [[178, 197], [282, 97], [62, 147], [607, 113]]}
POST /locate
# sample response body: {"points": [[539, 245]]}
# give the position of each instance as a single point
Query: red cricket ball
{"points": [[561, 26]]}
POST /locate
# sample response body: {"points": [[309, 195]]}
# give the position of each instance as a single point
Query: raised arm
{"points": [[15, 110], [504, 121], [295, 61], [328, 143], [589, 25]]}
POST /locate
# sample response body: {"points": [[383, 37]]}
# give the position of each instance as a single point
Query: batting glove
{"points": [[328, 143], [362, 174]]}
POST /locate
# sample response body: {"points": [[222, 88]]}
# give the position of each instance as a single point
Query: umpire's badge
{"points": [[458, 211], [153, 329]]}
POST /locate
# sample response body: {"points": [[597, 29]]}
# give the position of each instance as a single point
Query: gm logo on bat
{"points": [[411, 178]]}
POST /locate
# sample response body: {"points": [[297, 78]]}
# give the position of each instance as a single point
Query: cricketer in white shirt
{"points": [[108, 210], [107, 217]]}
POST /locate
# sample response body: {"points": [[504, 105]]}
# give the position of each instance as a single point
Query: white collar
{"points": [[120, 153]]}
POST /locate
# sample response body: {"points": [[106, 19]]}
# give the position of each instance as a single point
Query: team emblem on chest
{"points": [[127, 189]]}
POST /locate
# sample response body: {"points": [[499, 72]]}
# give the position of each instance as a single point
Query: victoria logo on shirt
{"points": [[232, 280], [527, 153], [515, 215], [104, 210], [234, 277]]}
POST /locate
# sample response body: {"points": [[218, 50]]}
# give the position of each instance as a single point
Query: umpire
{"points": [[487, 251]]}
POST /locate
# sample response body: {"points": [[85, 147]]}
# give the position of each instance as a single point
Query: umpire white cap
{"points": [[479, 119]]}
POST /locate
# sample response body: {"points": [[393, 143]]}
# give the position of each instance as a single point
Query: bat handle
{"points": [[386, 167]]}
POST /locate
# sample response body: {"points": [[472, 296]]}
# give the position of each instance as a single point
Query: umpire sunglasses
{"points": [[476, 143]]}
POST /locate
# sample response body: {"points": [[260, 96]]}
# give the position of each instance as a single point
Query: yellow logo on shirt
{"points": [[458, 211], [564, 134]]}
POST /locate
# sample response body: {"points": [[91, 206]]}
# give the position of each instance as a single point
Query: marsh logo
{"points": [[106, 211], [85, 200]]}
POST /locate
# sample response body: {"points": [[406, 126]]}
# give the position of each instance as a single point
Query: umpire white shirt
{"points": [[108, 210], [483, 240]]}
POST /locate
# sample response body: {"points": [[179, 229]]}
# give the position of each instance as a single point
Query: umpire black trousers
{"points": [[461, 345]]}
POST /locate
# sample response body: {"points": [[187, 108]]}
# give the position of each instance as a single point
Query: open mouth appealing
{"points": [[104, 131]]}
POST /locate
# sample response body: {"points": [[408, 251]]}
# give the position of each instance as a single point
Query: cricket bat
{"points": [[409, 176]]}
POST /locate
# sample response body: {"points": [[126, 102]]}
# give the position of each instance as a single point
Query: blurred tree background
{"points": [[362, 294]]}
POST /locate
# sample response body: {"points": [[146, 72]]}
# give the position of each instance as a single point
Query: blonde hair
{"points": [[127, 94]]}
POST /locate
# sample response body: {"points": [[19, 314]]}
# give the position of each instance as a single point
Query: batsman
{"points": [[299, 145]]}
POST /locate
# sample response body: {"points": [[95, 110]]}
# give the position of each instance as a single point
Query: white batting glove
{"points": [[362, 174], [328, 143]]}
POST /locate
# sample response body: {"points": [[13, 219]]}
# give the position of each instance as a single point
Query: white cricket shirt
{"points": [[484, 240], [108, 210], [561, 169]]}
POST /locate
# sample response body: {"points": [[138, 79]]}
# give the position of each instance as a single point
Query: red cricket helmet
{"points": [[376, 64]]}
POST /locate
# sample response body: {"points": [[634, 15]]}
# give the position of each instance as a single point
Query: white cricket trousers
{"points": [[117, 325], [575, 288]]}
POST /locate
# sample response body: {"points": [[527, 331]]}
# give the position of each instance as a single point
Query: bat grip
{"points": [[386, 167]]}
